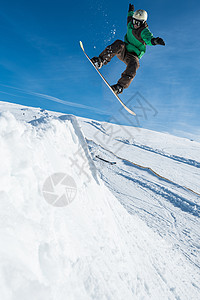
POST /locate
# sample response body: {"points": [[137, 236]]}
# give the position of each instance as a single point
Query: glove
{"points": [[131, 7], [157, 41]]}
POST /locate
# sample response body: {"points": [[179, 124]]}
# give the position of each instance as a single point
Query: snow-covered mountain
{"points": [[92, 210]]}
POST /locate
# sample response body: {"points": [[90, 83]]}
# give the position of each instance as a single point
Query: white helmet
{"points": [[140, 15]]}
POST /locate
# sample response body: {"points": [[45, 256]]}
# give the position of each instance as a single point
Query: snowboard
{"points": [[106, 82]]}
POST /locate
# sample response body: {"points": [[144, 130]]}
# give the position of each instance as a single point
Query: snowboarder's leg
{"points": [[118, 47], [132, 62]]}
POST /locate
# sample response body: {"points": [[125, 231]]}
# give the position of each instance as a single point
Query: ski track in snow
{"points": [[190, 162], [149, 159]]}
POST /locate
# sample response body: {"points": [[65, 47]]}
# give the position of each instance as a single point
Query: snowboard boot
{"points": [[117, 88], [97, 61]]}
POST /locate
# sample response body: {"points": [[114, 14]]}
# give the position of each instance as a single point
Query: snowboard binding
{"points": [[97, 62], [117, 88]]}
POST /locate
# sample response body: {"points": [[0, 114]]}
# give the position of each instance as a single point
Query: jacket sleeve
{"points": [[146, 35], [130, 16]]}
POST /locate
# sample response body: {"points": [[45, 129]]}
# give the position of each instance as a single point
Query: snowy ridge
{"points": [[93, 248]]}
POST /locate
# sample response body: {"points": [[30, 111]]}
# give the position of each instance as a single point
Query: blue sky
{"points": [[42, 64]]}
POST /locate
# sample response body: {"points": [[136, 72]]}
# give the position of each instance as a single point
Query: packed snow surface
{"points": [[91, 210]]}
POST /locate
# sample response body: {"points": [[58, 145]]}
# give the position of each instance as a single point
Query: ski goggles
{"points": [[137, 22]]}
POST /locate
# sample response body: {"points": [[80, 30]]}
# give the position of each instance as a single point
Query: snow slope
{"points": [[156, 177], [94, 247]]}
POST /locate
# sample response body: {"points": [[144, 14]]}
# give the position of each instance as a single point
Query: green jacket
{"points": [[137, 39]]}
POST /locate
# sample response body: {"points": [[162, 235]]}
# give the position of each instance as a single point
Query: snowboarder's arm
{"points": [[130, 13], [147, 36]]}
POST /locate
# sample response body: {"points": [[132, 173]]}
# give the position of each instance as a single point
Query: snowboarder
{"points": [[131, 50]]}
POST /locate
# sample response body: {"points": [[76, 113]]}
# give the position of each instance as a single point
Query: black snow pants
{"points": [[118, 48]]}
